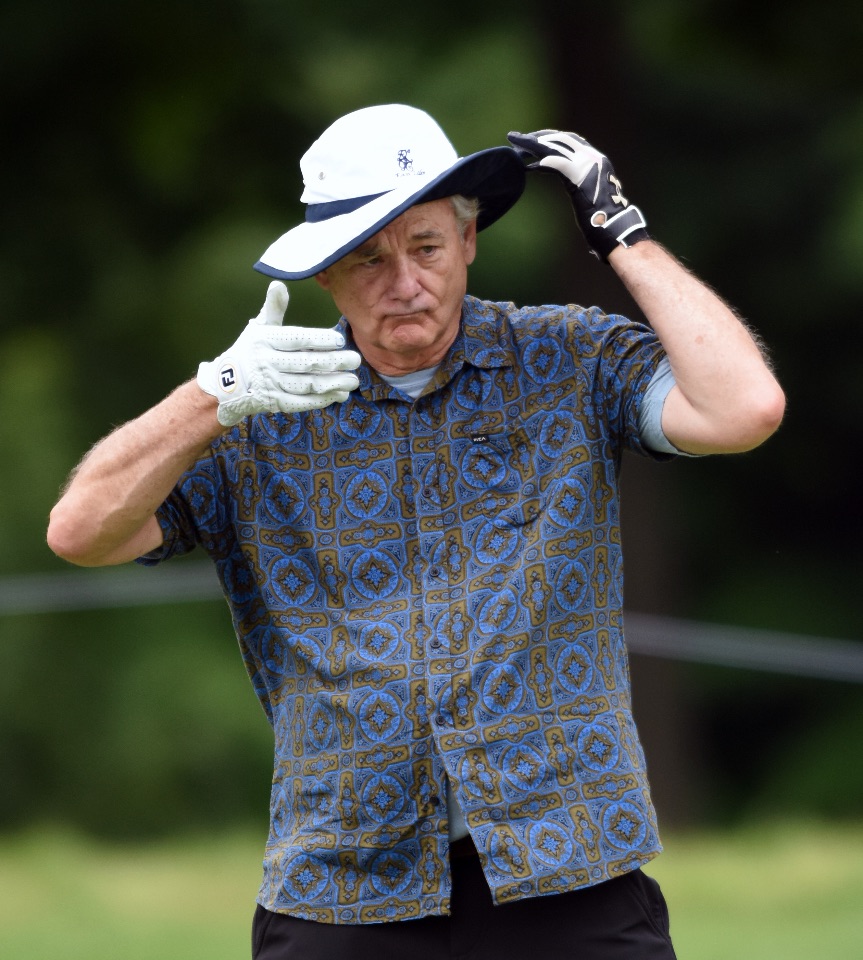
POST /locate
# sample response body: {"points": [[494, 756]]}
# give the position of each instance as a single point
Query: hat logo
{"points": [[405, 162]]}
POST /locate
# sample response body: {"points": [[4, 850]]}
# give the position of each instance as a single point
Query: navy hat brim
{"points": [[495, 176]]}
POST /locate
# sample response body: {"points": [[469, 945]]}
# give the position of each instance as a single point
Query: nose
{"points": [[405, 283]]}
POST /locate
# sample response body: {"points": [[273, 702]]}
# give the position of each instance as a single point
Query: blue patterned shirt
{"points": [[431, 590]]}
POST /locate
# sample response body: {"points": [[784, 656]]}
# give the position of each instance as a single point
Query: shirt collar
{"points": [[482, 341]]}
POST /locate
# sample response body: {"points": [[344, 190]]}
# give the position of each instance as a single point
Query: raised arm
{"points": [[106, 514], [726, 398]]}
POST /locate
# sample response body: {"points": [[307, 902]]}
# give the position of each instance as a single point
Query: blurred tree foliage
{"points": [[151, 155]]}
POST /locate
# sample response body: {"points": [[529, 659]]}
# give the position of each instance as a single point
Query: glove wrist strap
{"points": [[623, 229]]}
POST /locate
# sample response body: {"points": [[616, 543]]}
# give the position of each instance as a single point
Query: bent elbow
{"points": [[776, 410], [62, 540], [78, 537], [70, 541], [763, 417], [771, 411]]}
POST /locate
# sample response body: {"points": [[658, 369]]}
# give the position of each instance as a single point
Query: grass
{"points": [[771, 892], [66, 898], [774, 892]]}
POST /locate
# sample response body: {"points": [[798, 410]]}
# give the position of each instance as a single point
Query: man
{"points": [[422, 557]]}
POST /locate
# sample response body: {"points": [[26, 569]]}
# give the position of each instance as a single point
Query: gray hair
{"points": [[465, 208]]}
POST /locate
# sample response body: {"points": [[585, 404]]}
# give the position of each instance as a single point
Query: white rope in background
{"points": [[657, 636]]}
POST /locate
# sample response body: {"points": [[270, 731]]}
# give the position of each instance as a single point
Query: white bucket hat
{"points": [[367, 169]]}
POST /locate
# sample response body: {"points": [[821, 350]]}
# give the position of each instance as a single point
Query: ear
{"points": [[469, 242], [323, 280]]}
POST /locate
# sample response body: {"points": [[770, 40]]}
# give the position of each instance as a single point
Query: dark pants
{"points": [[621, 919]]}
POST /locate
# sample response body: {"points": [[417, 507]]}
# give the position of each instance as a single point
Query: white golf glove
{"points": [[606, 218], [277, 369]]}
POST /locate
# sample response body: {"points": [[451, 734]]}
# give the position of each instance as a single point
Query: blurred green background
{"points": [[150, 154]]}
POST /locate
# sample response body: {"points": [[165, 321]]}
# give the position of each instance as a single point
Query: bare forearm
{"points": [[106, 513], [726, 398]]}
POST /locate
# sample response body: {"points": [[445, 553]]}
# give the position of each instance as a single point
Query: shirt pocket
{"points": [[495, 477]]}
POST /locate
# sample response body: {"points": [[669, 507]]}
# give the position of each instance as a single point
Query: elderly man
{"points": [[414, 517]]}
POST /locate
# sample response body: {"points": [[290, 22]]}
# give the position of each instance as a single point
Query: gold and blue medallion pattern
{"points": [[429, 591]]}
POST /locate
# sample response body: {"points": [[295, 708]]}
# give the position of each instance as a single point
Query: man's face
{"points": [[402, 290]]}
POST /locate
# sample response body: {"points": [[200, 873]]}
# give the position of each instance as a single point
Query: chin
{"points": [[412, 336]]}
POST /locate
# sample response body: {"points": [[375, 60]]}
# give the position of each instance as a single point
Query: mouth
{"points": [[413, 315], [402, 314]]}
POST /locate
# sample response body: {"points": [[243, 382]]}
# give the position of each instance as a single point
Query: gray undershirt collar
{"points": [[412, 383]]}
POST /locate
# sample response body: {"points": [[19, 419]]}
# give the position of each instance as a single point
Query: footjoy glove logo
{"points": [[227, 378]]}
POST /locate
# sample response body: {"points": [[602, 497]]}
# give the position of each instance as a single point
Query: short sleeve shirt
{"points": [[429, 591]]}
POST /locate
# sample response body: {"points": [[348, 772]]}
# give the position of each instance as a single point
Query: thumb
{"points": [[276, 302]]}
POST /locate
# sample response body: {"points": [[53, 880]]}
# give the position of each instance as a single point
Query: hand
{"points": [[276, 369], [605, 216]]}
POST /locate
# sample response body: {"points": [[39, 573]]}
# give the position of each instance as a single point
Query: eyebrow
{"points": [[428, 235], [372, 249]]}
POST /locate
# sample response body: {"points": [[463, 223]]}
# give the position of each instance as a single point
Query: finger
{"points": [[524, 139], [563, 140], [575, 169], [297, 403], [317, 384], [525, 145], [275, 303], [538, 144], [308, 361], [347, 360], [303, 338]]}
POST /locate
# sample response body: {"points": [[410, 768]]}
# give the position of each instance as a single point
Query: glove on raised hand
{"points": [[272, 369], [605, 216]]}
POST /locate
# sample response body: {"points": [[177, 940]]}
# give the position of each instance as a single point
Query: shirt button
{"points": [[439, 720], [436, 573], [434, 800]]}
